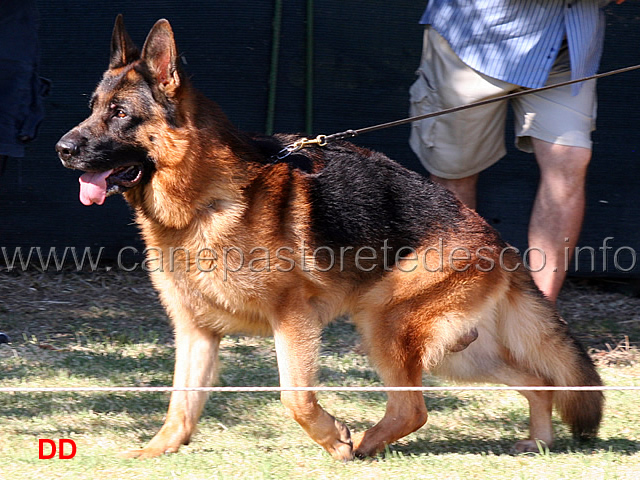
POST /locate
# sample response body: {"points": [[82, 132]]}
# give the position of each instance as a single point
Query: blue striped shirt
{"points": [[517, 41]]}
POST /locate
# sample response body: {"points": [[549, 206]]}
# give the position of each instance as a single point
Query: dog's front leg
{"points": [[297, 347], [195, 366]]}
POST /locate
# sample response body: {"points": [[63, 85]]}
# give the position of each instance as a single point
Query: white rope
{"points": [[309, 389]]}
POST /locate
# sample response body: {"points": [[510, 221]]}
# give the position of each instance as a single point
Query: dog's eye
{"points": [[117, 111]]}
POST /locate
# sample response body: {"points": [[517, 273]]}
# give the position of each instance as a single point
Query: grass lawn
{"points": [[107, 329]]}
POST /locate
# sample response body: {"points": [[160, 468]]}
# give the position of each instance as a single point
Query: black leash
{"points": [[322, 140]]}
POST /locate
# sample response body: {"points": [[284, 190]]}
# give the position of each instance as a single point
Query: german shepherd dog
{"points": [[249, 243]]}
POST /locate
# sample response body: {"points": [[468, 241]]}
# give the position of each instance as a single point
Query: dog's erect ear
{"points": [[123, 51], [160, 54]]}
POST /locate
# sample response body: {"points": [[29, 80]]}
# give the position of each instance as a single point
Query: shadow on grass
{"points": [[94, 410], [94, 364], [461, 444], [241, 365], [153, 366], [456, 441]]}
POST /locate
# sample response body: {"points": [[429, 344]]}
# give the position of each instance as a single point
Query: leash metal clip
{"points": [[320, 140]]}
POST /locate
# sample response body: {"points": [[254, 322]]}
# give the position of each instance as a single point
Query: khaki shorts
{"points": [[461, 144]]}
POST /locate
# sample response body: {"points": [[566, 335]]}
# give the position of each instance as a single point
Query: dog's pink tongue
{"points": [[93, 187]]}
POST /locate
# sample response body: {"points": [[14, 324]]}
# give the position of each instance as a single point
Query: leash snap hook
{"points": [[320, 140], [289, 149]]}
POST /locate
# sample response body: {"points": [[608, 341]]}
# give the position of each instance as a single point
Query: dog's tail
{"points": [[541, 343], [581, 410]]}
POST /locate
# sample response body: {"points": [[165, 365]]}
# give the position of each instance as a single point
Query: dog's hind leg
{"points": [[297, 341], [540, 426], [195, 366], [529, 345], [406, 412], [540, 408], [399, 364]]}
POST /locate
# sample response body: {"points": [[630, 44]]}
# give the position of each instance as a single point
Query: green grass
{"points": [[241, 435]]}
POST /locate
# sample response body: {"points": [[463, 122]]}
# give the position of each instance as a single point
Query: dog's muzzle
{"points": [[69, 146]]}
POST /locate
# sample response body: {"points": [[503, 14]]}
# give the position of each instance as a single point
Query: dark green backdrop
{"points": [[365, 54]]}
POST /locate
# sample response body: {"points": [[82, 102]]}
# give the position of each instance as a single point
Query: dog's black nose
{"points": [[67, 148]]}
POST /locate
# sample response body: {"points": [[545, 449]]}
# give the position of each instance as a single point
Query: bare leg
{"points": [[463, 188], [557, 214]]}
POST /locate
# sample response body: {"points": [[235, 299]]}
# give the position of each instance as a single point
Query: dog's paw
{"points": [[361, 451], [147, 452], [342, 447], [530, 446]]}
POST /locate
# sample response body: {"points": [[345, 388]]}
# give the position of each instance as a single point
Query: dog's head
{"points": [[133, 104]]}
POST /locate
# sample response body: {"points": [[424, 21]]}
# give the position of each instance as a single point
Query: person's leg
{"points": [[464, 188], [556, 126], [557, 213]]}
